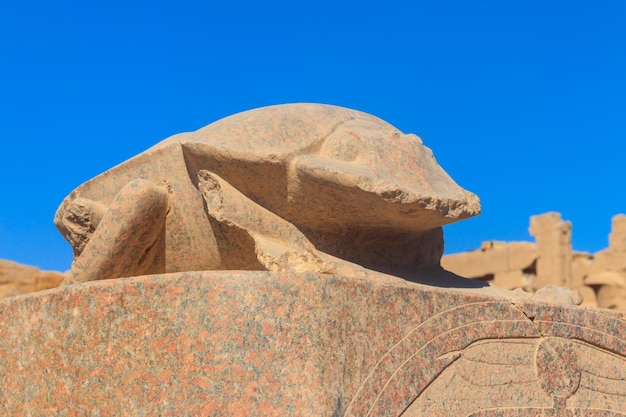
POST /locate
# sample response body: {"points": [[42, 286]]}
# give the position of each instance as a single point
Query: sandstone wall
{"points": [[550, 260], [16, 279]]}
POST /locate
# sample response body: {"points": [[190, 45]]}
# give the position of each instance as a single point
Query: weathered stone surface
{"points": [[277, 188], [494, 259], [16, 279], [510, 279], [282, 344]]}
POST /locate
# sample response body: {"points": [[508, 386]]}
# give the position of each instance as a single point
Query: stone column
{"points": [[608, 270], [554, 246], [617, 238]]}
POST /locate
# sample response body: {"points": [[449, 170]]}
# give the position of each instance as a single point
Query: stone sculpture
{"points": [[309, 200], [277, 188]]}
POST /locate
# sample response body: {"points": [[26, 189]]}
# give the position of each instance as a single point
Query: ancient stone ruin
{"points": [[286, 262], [17, 279], [550, 260]]}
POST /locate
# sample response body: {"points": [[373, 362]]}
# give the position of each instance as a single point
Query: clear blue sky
{"points": [[522, 102]]}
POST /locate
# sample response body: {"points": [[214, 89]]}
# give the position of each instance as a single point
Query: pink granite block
{"points": [[261, 343]]}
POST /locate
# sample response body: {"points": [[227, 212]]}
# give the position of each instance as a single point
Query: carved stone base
{"points": [[258, 343]]}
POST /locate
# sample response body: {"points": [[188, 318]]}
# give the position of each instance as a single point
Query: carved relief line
{"points": [[440, 327], [595, 337], [416, 373], [574, 363], [547, 412], [607, 376], [502, 361], [429, 330], [558, 367], [368, 389], [595, 319]]}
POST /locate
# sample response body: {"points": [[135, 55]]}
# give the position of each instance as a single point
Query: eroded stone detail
{"points": [[558, 369]]}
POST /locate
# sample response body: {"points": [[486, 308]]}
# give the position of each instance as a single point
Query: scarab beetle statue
{"points": [[298, 187]]}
